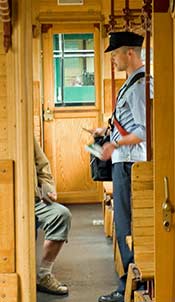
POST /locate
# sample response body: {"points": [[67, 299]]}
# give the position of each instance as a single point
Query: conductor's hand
{"points": [[107, 151], [98, 132], [52, 196]]}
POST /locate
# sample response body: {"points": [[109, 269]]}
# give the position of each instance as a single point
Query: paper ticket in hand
{"points": [[95, 150]]}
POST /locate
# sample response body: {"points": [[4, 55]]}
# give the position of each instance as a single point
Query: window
{"points": [[73, 57]]}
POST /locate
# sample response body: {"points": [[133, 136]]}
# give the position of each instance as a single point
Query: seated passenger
{"points": [[54, 219]]}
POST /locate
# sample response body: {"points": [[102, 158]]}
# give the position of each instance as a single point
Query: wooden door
{"points": [[64, 137], [164, 153]]}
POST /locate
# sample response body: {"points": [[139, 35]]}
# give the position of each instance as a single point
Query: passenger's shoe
{"points": [[49, 284], [113, 297]]}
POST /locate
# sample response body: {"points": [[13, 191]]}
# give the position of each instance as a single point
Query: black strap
{"points": [[133, 80]]}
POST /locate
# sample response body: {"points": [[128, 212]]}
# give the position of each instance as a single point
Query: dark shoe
{"points": [[113, 297]]}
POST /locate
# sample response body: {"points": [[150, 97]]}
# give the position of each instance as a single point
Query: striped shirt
{"points": [[131, 114]]}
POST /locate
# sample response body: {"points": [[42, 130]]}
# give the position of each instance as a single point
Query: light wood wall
{"points": [[17, 278], [92, 11], [163, 153], [3, 99]]}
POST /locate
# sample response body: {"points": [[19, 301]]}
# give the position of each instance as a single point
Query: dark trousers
{"points": [[121, 175]]}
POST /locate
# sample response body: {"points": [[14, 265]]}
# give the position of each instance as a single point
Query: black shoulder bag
{"points": [[102, 170]]}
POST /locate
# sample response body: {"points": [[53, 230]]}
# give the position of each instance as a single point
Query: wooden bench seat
{"points": [[142, 226], [143, 217]]}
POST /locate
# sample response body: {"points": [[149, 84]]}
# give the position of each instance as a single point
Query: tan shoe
{"points": [[49, 284]]}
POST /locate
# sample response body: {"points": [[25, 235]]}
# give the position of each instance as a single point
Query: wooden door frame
{"points": [[48, 85], [163, 151], [66, 112], [21, 151]]}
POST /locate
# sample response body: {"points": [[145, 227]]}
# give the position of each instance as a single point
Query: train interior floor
{"points": [[86, 262]]}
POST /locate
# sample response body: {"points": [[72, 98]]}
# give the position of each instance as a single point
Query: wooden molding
{"points": [[57, 17]]}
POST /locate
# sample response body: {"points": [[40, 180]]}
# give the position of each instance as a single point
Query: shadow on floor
{"points": [[85, 263]]}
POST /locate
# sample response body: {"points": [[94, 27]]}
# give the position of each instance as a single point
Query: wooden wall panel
{"points": [[164, 157], [7, 233], [88, 5], [3, 101], [143, 217], [37, 110], [108, 93], [53, 7], [74, 182], [9, 288], [2, 65], [3, 111]]}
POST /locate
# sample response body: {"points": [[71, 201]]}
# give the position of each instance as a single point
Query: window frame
{"points": [[63, 53], [48, 65]]}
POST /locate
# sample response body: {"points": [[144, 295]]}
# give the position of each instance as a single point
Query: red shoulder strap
{"points": [[122, 131]]}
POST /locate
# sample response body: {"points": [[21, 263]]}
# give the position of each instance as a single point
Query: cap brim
{"points": [[110, 48]]}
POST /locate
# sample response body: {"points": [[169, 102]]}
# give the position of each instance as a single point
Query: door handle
{"points": [[167, 208]]}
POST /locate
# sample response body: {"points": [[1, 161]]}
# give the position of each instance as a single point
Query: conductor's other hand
{"points": [[98, 132], [52, 196]]}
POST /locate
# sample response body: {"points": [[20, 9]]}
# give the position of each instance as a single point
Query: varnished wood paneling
{"points": [[143, 217], [74, 183], [3, 86], [7, 228], [20, 102], [2, 65], [3, 148], [3, 102], [164, 112], [64, 139], [108, 93], [3, 111], [1, 44], [88, 5], [3, 129], [52, 6], [9, 288], [37, 110]]}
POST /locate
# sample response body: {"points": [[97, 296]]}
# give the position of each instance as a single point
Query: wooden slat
{"points": [[9, 288], [108, 221], [141, 199], [108, 187], [142, 222], [143, 217], [3, 111], [3, 86], [147, 212], [144, 231], [117, 257], [2, 65], [7, 232]]}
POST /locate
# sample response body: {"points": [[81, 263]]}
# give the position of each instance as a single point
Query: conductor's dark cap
{"points": [[123, 38]]}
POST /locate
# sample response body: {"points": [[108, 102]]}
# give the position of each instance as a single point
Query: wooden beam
{"points": [[19, 76]]}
